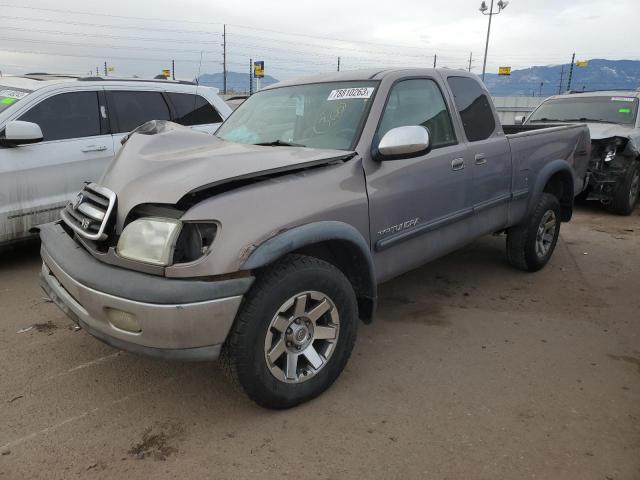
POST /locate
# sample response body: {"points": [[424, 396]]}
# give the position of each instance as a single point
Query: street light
{"points": [[489, 11]]}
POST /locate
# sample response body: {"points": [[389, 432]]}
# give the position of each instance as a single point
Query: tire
{"points": [[267, 322], [530, 245], [626, 196]]}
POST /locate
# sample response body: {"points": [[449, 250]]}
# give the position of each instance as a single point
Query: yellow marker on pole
{"points": [[504, 70], [582, 63]]}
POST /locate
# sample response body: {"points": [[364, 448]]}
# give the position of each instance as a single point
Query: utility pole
{"points": [[541, 84], [470, 59], [251, 76], [173, 69], [97, 71], [224, 59], [573, 60], [561, 76], [105, 69], [435, 59], [483, 9], [338, 63]]}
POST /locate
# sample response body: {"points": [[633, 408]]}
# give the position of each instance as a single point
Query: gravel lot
{"points": [[472, 370]]}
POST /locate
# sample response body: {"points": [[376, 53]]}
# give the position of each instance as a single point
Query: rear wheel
{"points": [[294, 333], [531, 244], [626, 196]]}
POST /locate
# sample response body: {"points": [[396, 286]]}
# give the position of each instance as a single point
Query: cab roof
{"points": [[362, 75]]}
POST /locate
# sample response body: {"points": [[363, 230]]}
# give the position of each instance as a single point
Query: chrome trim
{"points": [[90, 189]]}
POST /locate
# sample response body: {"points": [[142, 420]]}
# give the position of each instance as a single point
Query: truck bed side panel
{"points": [[532, 150]]}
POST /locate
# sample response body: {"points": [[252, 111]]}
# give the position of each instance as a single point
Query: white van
{"points": [[57, 132]]}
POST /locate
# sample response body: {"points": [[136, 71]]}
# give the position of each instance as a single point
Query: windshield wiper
{"points": [[585, 119], [544, 119], [280, 143]]}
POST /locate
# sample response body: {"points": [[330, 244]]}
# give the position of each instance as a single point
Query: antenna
{"points": [[195, 97]]}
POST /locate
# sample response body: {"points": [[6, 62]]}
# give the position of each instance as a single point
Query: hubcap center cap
{"points": [[301, 332]]}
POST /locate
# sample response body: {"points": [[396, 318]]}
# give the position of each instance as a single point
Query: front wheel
{"points": [[626, 196], [294, 332], [531, 244]]}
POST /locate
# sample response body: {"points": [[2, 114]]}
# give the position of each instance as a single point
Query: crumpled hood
{"points": [[164, 165], [599, 131]]}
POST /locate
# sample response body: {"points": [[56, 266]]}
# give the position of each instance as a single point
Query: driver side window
{"points": [[418, 102]]}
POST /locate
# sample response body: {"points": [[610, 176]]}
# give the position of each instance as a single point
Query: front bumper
{"points": [[193, 329]]}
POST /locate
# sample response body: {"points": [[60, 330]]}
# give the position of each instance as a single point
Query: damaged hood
{"points": [[598, 131], [164, 162], [606, 131]]}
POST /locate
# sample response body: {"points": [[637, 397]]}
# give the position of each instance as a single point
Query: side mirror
{"points": [[21, 133], [403, 142], [519, 119]]}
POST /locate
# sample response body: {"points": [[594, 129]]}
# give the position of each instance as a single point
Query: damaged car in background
{"points": [[612, 118]]}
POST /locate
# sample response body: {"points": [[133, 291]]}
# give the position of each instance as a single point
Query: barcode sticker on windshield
{"points": [[346, 93], [622, 99], [12, 94]]}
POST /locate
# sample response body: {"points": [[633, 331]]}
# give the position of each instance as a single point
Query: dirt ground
{"points": [[471, 371]]}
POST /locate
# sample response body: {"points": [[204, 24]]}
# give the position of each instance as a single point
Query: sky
{"points": [[297, 38]]}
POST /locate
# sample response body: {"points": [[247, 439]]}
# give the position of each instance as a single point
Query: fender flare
{"points": [[549, 170], [314, 233]]}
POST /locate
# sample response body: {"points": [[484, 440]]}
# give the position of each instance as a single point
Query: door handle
{"points": [[94, 148], [480, 159], [457, 164]]}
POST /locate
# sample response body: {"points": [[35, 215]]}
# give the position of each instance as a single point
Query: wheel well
{"points": [[561, 186], [348, 258]]}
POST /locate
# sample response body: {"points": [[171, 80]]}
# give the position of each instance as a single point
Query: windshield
{"points": [[321, 115], [613, 109], [10, 95]]}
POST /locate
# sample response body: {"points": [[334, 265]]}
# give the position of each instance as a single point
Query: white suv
{"points": [[59, 131]]}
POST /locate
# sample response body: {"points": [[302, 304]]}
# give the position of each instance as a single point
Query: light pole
{"points": [[489, 11]]}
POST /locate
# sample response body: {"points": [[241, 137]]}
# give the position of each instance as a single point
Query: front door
{"points": [[37, 180], [417, 204]]}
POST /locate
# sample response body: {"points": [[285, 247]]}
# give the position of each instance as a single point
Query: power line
{"points": [[127, 17]]}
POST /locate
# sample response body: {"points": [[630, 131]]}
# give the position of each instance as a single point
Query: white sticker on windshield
{"points": [[12, 94], [622, 99], [345, 93]]}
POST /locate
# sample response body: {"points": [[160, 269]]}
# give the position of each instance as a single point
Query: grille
{"points": [[89, 213]]}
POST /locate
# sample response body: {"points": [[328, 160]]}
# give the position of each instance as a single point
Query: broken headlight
{"points": [[194, 241], [611, 150]]}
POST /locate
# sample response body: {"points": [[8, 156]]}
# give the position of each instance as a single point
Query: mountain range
{"points": [[599, 74]]}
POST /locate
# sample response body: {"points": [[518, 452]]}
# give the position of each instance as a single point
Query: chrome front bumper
{"points": [[187, 331]]}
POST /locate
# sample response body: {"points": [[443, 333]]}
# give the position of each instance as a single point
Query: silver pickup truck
{"points": [[264, 245]]}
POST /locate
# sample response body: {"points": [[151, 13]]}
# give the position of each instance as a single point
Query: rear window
{"points": [[193, 109], [474, 107], [11, 95], [133, 108]]}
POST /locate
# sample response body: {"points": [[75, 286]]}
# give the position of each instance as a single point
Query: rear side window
{"points": [[67, 115], [418, 102], [193, 109], [474, 107], [134, 108]]}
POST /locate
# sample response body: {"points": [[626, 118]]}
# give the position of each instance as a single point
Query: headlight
{"points": [[149, 240]]}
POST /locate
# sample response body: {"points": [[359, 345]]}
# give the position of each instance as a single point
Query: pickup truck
{"points": [[614, 126], [264, 245]]}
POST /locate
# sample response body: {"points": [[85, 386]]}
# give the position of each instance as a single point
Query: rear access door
{"points": [[490, 154]]}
